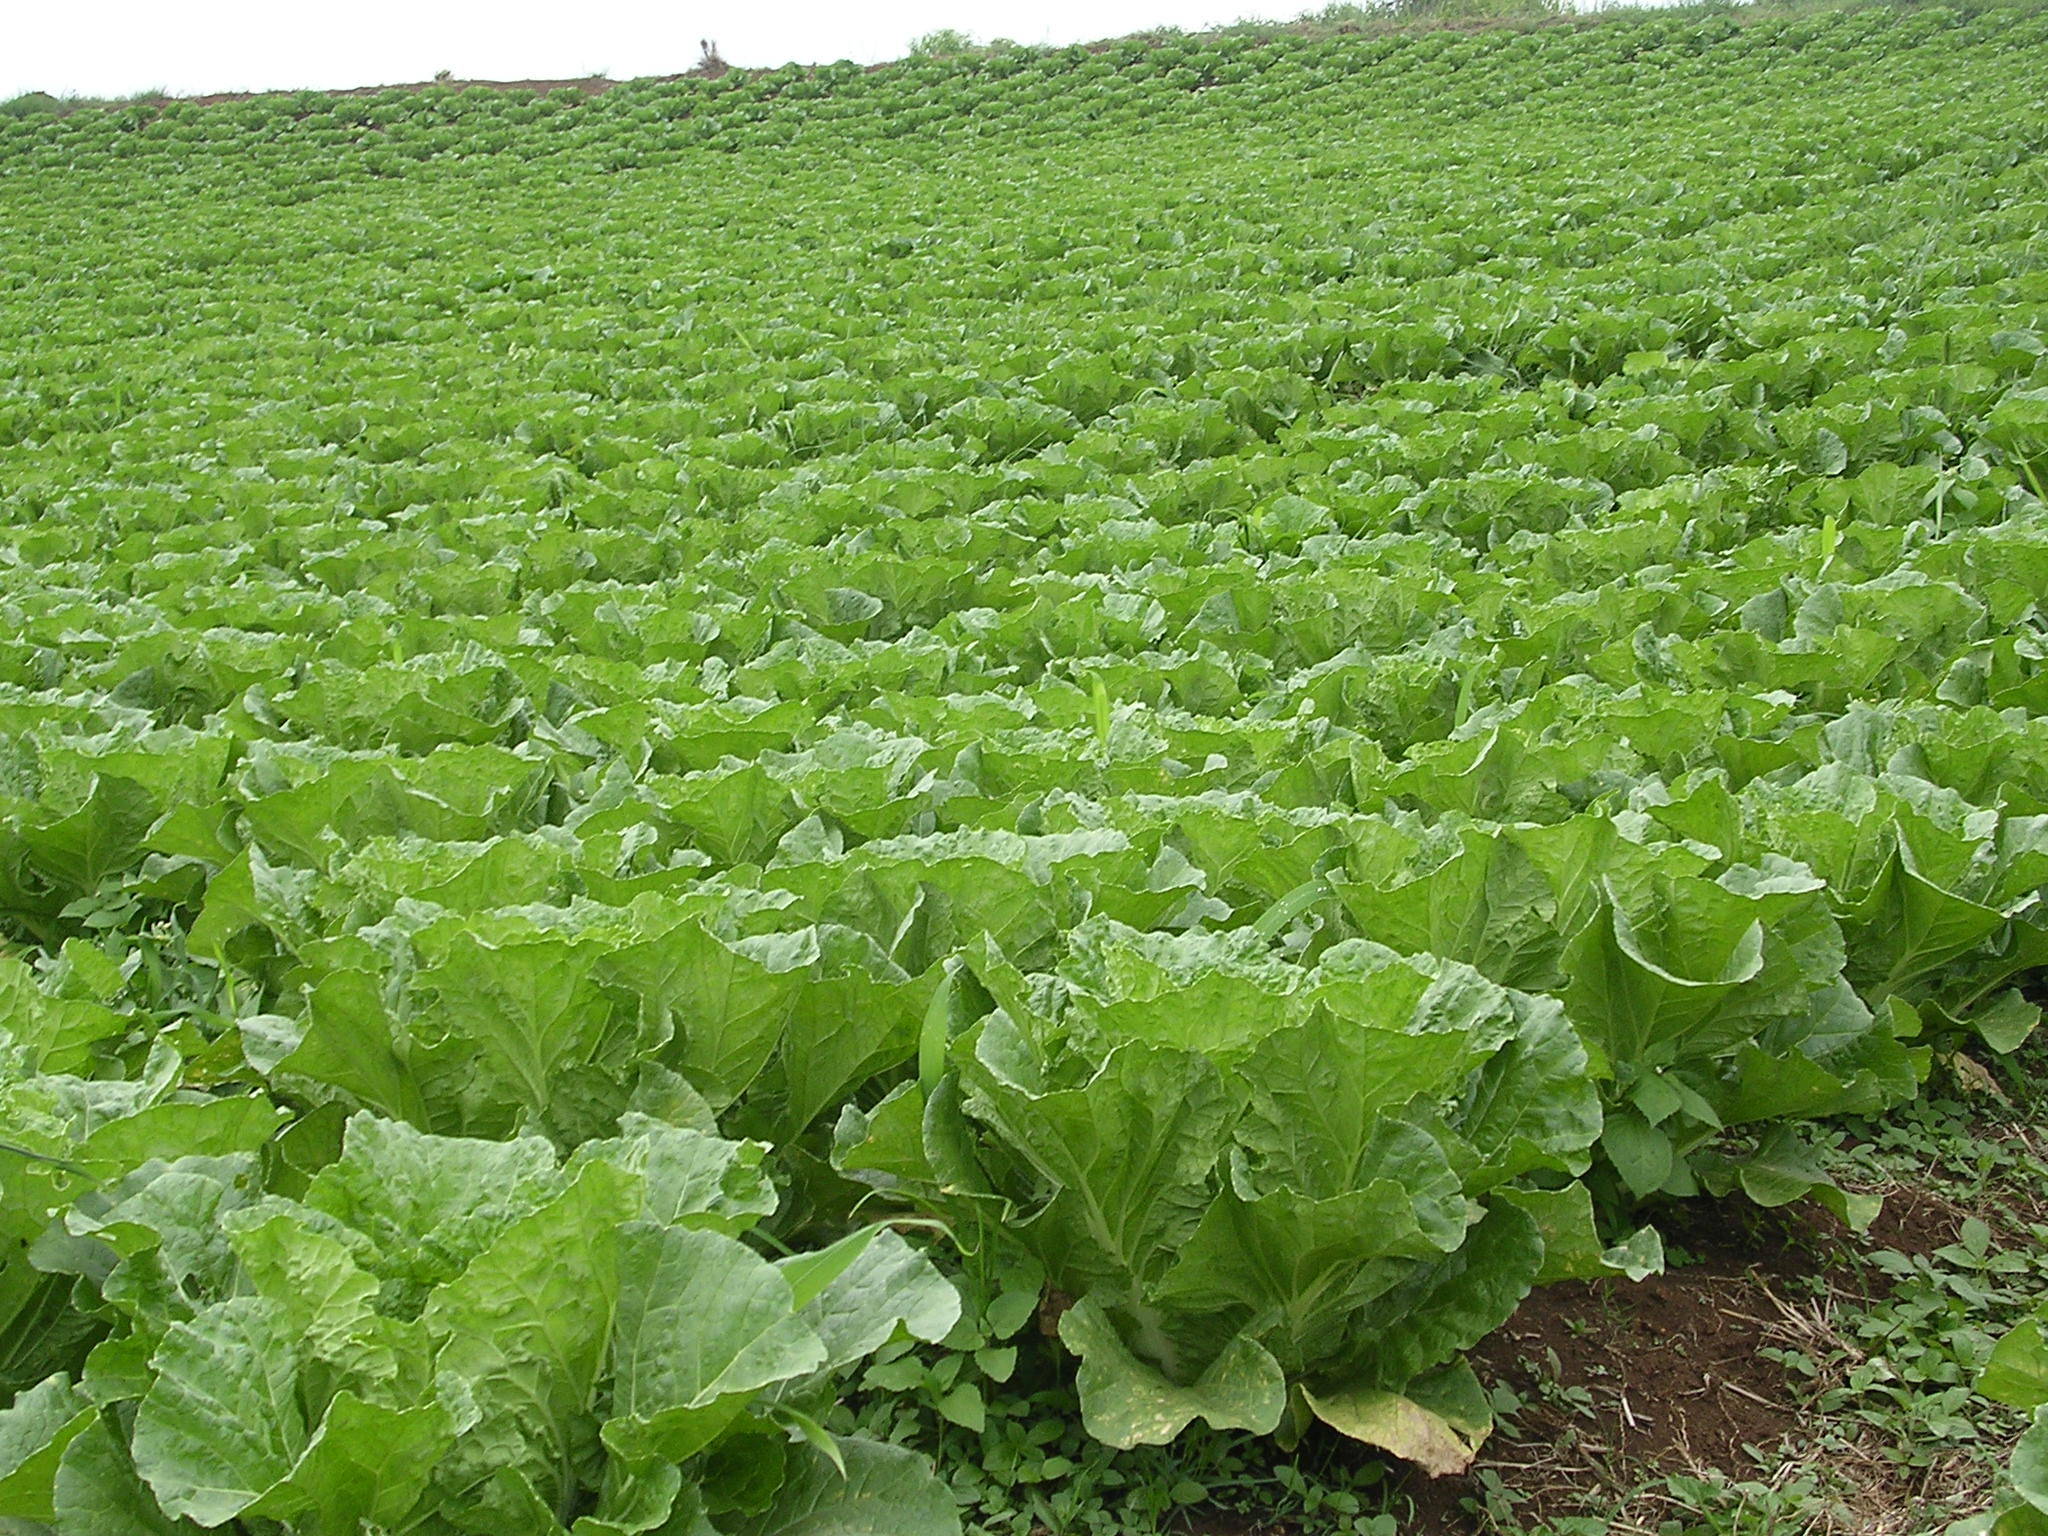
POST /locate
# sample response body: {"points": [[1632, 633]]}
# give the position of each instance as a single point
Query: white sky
{"points": [[190, 47]]}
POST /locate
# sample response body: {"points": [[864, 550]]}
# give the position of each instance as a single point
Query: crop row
{"points": [[1224, 701]]}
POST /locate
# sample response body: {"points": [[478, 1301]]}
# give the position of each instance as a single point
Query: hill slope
{"points": [[1294, 681]]}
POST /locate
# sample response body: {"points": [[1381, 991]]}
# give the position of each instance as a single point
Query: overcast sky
{"points": [[190, 47]]}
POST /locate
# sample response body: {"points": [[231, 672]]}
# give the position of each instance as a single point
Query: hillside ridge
{"points": [[1334, 20]]}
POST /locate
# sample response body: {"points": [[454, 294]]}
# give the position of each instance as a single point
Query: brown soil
{"points": [[1913, 1222], [1625, 1383], [1622, 1381]]}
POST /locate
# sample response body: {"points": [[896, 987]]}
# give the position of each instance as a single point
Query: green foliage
{"points": [[28, 103], [441, 1331], [944, 43], [1930, 1344], [1278, 1212], [2016, 1374], [1257, 685]]}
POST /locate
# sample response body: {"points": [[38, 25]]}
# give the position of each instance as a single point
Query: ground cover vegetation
{"points": [[1070, 759]]}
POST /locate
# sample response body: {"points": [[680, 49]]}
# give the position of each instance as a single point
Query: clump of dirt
{"points": [[1666, 1377]]}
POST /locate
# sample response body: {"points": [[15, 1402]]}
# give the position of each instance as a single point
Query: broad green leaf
{"points": [[222, 1425], [2006, 1022], [1125, 1402], [1126, 1156], [98, 1494], [1317, 1093], [1641, 1254], [517, 1014], [34, 1431], [729, 1002], [1651, 978], [1532, 1104], [430, 1204], [2020, 1520], [690, 1178], [1572, 1249], [1302, 1259], [885, 1145], [861, 1014], [1782, 1169], [2017, 1372], [309, 1274], [1216, 993], [524, 1328], [637, 1500], [365, 1466], [702, 1323], [884, 1491], [194, 1126], [887, 1284], [2030, 1462], [347, 1042], [1855, 1211], [1488, 906], [1641, 1153], [1443, 1309], [103, 835], [735, 812], [964, 1405], [58, 1032]]}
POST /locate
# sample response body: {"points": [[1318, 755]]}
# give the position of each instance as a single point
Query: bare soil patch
{"points": [[1626, 1383]]}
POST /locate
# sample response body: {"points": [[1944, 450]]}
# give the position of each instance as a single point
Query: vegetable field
{"points": [[697, 786]]}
